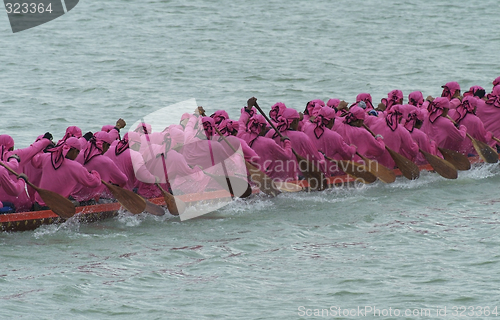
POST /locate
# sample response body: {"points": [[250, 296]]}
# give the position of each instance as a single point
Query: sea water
{"points": [[412, 249]]}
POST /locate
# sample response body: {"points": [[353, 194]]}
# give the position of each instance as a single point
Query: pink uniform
{"points": [[366, 144], [301, 143], [276, 112], [394, 97], [10, 186], [327, 141], [275, 161], [22, 202], [92, 159], [130, 162], [449, 91], [416, 98], [465, 114], [489, 112], [395, 136], [181, 177], [420, 138], [62, 175], [442, 130], [367, 99]]}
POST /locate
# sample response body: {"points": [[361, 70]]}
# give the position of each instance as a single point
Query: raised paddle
{"points": [[487, 153], [311, 171], [444, 168], [408, 168], [60, 205], [458, 160], [354, 169], [382, 172]]}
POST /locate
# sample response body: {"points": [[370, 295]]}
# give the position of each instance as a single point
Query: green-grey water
{"points": [[412, 245]]}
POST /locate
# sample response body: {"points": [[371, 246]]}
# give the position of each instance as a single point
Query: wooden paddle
{"points": [[458, 160], [444, 168], [487, 153], [382, 172], [60, 205], [174, 205], [234, 185], [496, 139], [310, 171], [354, 169], [264, 182], [128, 199], [408, 168]]}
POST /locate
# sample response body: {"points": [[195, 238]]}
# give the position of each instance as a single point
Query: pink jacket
{"points": [[108, 171], [64, 180]]}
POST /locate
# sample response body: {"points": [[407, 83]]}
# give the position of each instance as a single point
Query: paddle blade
{"points": [[128, 199], [487, 153], [154, 209], [316, 178], [384, 174], [57, 203], [236, 186], [409, 169], [458, 160], [174, 205], [357, 171], [444, 168], [262, 180]]}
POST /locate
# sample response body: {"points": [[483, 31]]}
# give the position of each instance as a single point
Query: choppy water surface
{"points": [[427, 244]]}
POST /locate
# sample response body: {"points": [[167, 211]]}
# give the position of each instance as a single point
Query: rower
{"points": [[395, 136], [10, 188], [327, 141], [276, 161], [93, 159], [288, 126], [61, 174], [451, 91], [393, 98], [465, 114], [413, 123], [440, 129], [354, 134]]}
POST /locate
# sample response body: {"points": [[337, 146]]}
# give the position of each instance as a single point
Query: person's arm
{"points": [[115, 132], [82, 176], [10, 186], [26, 154]]}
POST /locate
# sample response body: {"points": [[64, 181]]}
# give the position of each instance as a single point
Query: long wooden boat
{"points": [[24, 221]]}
